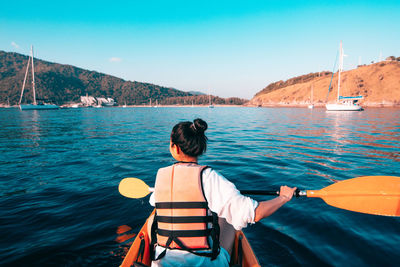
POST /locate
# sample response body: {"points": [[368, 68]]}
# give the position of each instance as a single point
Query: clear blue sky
{"points": [[226, 48]]}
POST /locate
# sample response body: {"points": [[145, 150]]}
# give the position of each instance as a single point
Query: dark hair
{"points": [[190, 137]]}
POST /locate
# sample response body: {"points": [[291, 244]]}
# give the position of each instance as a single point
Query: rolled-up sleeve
{"points": [[152, 200], [225, 200]]}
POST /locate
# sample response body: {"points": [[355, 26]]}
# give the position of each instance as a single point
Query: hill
{"points": [[196, 93], [63, 84], [378, 83]]}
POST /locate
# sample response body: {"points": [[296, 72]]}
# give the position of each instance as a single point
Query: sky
{"points": [[224, 48]]}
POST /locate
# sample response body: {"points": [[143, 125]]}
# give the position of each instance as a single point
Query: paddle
{"points": [[379, 195]]}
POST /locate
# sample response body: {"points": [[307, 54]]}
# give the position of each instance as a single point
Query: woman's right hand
{"points": [[266, 208], [287, 192]]}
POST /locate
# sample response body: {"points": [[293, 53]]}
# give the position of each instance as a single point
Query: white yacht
{"points": [[344, 103]]}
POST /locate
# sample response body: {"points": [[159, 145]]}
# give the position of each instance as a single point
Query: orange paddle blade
{"points": [[379, 195], [133, 188]]}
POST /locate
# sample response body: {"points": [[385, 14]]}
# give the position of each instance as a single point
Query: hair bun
{"points": [[200, 126]]}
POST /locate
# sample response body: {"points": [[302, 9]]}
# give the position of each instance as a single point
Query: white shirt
{"points": [[225, 200]]}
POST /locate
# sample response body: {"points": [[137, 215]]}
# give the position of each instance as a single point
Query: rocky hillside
{"points": [[63, 84], [378, 83]]}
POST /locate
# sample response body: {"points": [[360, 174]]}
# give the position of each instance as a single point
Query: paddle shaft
{"points": [[297, 193]]}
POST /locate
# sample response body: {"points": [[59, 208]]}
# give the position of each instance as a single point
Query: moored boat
{"points": [[37, 104], [311, 105], [348, 103], [139, 252], [343, 103], [210, 102]]}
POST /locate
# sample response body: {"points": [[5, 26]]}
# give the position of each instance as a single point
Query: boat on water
{"points": [[344, 103], [347, 103], [105, 102], [210, 103], [139, 252], [38, 104], [311, 105]]}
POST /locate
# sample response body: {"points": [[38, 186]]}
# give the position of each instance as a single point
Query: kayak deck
{"points": [[139, 252]]}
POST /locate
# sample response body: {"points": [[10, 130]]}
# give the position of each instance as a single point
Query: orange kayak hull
{"points": [[136, 253], [139, 252]]}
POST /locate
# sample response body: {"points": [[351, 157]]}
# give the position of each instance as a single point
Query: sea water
{"points": [[59, 175]]}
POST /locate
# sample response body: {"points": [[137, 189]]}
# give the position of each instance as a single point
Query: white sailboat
{"points": [[36, 105], [210, 103], [344, 103], [311, 106]]}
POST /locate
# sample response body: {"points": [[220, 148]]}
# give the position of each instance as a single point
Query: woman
{"points": [[196, 206]]}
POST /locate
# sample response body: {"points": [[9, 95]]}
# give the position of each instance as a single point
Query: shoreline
{"points": [[269, 105], [322, 105]]}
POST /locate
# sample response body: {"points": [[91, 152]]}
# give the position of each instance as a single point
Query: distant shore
{"points": [[322, 105], [266, 105], [377, 83], [179, 106]]}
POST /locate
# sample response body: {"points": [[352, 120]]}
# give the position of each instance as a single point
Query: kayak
{"points": [[139, 252]]}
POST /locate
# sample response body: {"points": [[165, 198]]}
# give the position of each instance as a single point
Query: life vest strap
{"points": [[184, 233], [181, 205], [185, 219]]}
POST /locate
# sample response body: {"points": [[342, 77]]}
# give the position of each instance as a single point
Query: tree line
{"points": [[62, 84]]}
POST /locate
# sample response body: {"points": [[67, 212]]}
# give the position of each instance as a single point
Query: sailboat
{"points": [[311, 106], [344, 103], [36, 105], [210, 103], [8, 103]]}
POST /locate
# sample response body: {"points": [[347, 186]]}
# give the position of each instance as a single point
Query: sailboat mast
{"points": [[33, 78], [340, 69], [23, 85]]}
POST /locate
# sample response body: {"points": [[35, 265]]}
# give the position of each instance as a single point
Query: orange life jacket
{"points": [[183, 219]]}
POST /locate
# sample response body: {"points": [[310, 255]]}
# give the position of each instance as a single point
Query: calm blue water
{"points": [[59, 172]]}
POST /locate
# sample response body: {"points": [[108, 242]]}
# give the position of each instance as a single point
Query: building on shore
{"points": [[90, 101]]}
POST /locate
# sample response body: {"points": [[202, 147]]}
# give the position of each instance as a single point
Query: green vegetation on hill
{"points": [[201, 100], [62, 84]]}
